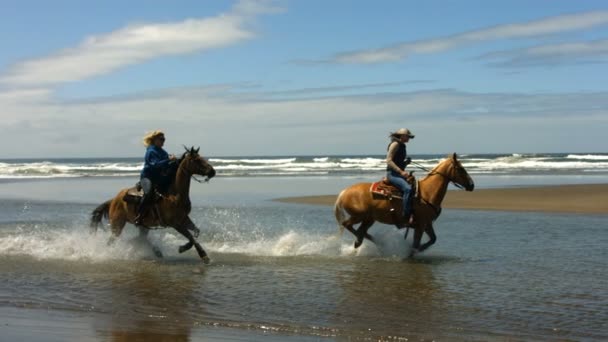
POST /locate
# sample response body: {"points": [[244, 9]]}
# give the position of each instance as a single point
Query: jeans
{"points": [[146, 186], [397, 180]]}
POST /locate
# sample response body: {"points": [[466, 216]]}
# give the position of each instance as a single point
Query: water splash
{"points": [[75, 243]]}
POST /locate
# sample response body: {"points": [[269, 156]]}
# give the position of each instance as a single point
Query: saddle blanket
{"points": [[385, 189]]}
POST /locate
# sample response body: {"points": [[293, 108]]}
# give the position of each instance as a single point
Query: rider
{"points": [[397, 160], [154, 174]]}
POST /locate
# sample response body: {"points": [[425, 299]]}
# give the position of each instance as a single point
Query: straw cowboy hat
{"points": [[404, 131]]}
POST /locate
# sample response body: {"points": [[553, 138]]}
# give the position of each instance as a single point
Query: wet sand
{"points": [[583, 199]]}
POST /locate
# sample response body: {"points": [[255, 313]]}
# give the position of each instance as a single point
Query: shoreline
{"points": [[579, 199]]}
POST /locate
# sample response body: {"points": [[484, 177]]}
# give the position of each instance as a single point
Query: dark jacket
{"points": [[156, 165], [395, 159]]}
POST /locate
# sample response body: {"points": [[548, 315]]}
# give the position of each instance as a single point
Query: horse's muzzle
{"points": [[211, 174], [470, 187]]}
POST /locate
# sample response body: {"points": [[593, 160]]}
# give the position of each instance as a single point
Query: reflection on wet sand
{"points": [[151, 305], [395, 298]]}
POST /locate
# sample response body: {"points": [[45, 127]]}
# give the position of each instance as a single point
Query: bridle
{"points": [[206, 180], [434, 172]]}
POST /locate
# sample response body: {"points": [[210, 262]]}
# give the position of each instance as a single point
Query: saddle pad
{"points": [[382, 189]]}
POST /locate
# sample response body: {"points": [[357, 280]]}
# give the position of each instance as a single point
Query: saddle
{"points": [[136, 193], [384, 188]]}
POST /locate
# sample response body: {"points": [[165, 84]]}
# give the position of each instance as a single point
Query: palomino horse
{"points": [[172, 209], [363, 207]]}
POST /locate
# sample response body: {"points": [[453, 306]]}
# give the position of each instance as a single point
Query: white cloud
{"points": [[101, 54], [551, 25], [239, 123], [551, 54]]}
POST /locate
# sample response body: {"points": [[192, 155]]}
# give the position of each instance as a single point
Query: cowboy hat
{"points": [[404, 131]]}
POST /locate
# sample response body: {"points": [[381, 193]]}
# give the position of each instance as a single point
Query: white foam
{"points": [[68, 245], [77, 244], [587, 156], [309, 165], [254, 161]]}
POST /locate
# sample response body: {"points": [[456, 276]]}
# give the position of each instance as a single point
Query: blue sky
{"points": [[303, 77]]}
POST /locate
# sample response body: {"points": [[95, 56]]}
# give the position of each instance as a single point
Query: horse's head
{"points": [[195, 164], [459, 175]]}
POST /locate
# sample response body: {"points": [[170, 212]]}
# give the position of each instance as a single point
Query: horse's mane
{"points": [[180, 160], [434, 170]]}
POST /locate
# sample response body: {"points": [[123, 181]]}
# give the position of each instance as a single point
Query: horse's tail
{"points": [[103, 210], [339, 212]]}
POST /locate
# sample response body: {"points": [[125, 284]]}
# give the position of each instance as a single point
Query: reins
{"points": [[183, 170], [432, 172]]}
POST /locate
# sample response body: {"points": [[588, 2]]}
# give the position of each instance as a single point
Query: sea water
{"points": [[282, 270]]}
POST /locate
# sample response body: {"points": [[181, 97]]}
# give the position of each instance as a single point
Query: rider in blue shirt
{"points": [[155, 173]]}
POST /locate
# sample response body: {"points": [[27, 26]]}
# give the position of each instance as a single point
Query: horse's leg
{"points": [[417, 237], [184, 230], [362, 232], [349, 223], [117, 226], [432, 238], [143, 237], [190, 226]]}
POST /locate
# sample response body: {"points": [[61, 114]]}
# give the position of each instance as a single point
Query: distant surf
{"points": [[312, 165]]}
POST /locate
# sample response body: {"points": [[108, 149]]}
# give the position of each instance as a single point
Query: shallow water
{"points": [[282, 270]]}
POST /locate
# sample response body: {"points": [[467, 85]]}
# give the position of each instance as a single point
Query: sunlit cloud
{"points": [[400, 51], [133, 44], [549, 55]]}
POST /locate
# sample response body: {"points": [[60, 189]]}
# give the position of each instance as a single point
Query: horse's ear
{"points": [[198, 149], [185, 148], [454, 156]]}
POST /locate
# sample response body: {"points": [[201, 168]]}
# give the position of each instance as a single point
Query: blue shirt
{"points": [[155, 162]]}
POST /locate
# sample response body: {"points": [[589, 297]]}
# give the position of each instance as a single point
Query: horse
{"points": [[171, 210], [366, 208]]}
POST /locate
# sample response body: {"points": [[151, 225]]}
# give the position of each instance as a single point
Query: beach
{"points": [[580, 198], [520, 258]]}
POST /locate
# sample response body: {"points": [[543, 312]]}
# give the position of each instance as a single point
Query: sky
{"points": [[244, 78]]}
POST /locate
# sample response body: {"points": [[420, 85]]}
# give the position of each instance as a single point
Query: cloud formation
{"points": [[101, 54], [551, 25], [549, 55], [232, 122]]}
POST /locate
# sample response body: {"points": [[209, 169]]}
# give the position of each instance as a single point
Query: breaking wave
{"points": [[311, 166]]}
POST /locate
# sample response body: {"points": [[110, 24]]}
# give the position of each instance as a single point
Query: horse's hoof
{"points": [[413, 252], [182, 249], [206, 260], [358, 243]]}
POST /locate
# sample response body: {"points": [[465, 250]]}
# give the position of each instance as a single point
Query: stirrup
{"points": [[138, 220]]}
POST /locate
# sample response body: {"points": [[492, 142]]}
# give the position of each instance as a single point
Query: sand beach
{"points": [[580, 198]]}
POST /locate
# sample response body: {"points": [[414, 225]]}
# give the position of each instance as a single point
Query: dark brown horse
{"points": [[366, 208], [172, 208]]}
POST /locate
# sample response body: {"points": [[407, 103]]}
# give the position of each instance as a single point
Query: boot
{"points": [[141, 211]]}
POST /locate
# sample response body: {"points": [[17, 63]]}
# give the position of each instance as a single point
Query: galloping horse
{"points": [[363, 207], [172, 208]]}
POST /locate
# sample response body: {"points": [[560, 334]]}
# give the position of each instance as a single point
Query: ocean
{"points": [[281, 271], [491, 164]]}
